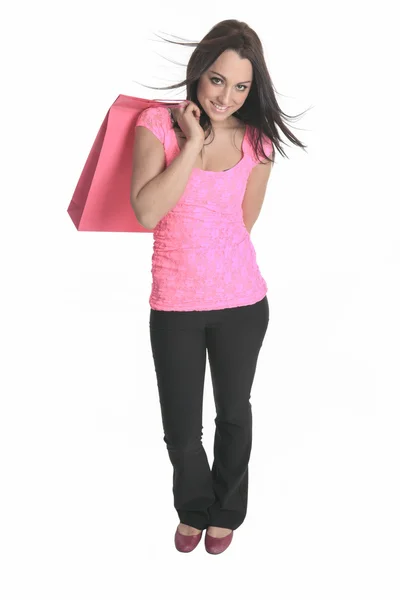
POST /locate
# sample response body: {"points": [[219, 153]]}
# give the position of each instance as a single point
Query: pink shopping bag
{"points": [[101, 200]]}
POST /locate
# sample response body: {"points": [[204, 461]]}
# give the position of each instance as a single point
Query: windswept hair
{"points": [[260, 109]]}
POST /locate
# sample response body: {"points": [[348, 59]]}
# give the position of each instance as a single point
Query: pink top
{"points": [[203, 257]]}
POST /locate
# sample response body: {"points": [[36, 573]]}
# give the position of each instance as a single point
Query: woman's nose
{"points": [[225, 98]]}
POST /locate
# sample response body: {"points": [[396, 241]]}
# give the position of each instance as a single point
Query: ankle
{"points": [[218, 532], [188, 529]]}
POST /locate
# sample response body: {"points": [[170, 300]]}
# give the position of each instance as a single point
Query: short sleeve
{"points": [[154, 118], [267, 146]]}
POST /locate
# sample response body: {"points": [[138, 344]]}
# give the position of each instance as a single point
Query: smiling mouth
{"points": [[219, 108]]}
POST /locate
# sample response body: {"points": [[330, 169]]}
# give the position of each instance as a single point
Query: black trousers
{"points": [[233, 338]]}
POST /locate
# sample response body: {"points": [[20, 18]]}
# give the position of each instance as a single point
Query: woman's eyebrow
{"points": [[222, 77]]}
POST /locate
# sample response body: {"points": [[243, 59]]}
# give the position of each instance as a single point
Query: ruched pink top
{"points": [[203, 257]]}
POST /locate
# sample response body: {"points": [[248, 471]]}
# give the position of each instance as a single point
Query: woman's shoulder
{"points": [[251, 136], [157, 119], [156, 113]]}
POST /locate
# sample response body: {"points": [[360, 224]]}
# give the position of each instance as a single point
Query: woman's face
{"points": [[227, 83]]}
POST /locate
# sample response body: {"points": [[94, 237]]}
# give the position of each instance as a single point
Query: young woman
{"points": [[199, 180]]}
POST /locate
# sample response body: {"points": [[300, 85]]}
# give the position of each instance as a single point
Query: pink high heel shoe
{"points": [[217, 545], [186, 543]]}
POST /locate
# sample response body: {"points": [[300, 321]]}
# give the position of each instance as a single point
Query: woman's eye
{"points": [[214, 79]]}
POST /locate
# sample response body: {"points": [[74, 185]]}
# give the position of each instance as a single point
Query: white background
{"points": [[86, 502]]}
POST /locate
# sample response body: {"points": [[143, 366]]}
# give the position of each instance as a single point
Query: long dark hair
{"points": [[260, 109]]}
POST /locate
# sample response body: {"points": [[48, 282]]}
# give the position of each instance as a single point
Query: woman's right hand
{"points": [[187, 115]]}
